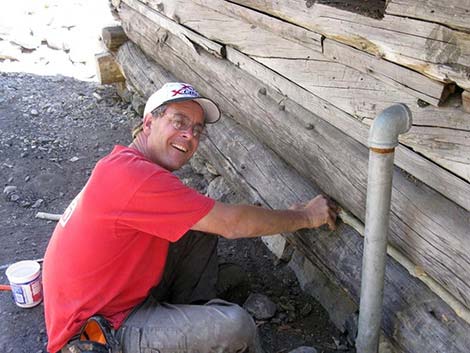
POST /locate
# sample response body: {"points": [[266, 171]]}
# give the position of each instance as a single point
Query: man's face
{"points": [[167, 146]]}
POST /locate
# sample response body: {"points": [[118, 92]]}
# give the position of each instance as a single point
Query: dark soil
{"points": [[369, 8]]}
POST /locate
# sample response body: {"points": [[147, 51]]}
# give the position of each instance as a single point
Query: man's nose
{"points": [[188, 133]]}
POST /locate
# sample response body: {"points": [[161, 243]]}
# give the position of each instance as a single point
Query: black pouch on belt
{"points": [[96, 336]]}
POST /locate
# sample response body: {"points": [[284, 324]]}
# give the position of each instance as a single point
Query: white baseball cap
{"points": [[178, 92]]}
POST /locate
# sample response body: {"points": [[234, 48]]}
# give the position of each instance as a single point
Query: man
{"points": [[136, 245]]}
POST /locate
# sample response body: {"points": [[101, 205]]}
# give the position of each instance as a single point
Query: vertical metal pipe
{"points": [[383, 138]]}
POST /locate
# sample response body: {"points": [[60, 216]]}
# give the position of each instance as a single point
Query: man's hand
{"points": [[320, 210]]}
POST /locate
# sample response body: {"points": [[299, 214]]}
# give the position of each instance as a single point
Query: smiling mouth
{"points": [[179, 147]]}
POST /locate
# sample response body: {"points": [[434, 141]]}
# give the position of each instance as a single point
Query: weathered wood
{"points": [[365, 97], [130, 56], [430, 48], [452, 13], [466, 101], [424, 225], [252, 33], [447, 147], [113, 37], [284, 29], [186, 35], [408, 304], [360, 94], [446, 183], [403, 79], [107, 69]]}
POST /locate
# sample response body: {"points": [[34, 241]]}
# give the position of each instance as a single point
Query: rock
{"points": [[74, 159], [24, 39], [306, 309], [25, 204], [97, 96], [9, 189], [218, 189], [211, 169], [304, 349], [9, 51], [57, 40], [38, 203], [260, 306], [34, 112], [14, 197], [138, 104]]}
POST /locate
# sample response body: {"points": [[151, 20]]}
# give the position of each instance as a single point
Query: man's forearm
{"points": [[246, 221]]}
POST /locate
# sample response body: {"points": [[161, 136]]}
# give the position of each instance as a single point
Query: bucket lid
{"points": [[23, 271]]}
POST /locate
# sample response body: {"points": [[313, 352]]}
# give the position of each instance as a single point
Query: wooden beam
{"points": [[113, 37], [452, 13], [424, 225], [364, 88], [252, 32], [431, 174], [403, 79], [155, 76], [186, 35], [281, 28], [432, 49], [107, 69]]}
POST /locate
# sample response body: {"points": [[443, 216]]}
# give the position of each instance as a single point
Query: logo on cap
{"points": [[187, 90]]}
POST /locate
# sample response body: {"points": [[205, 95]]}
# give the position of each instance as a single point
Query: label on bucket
{"points": [[27, 294]]}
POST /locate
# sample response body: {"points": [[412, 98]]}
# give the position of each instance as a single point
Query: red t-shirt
{"points": [[109, 248]]}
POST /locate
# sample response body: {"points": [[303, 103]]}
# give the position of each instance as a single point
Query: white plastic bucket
{"points": [[25, 281]]}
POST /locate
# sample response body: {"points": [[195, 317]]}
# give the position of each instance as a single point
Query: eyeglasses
{"points": [[183, 123]]}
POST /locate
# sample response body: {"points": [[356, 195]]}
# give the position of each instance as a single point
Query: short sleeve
{"points": [[163, 206]]}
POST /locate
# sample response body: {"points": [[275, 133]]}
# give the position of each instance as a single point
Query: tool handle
{"points": [[5, 287]]}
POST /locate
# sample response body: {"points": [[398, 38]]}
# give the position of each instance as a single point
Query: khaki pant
{"points": [[169, 321]]}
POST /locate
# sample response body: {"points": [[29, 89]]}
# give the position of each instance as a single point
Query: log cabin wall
{"points": [[299, 83]]}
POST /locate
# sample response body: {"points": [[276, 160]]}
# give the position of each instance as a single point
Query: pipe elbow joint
{"points": [[390, 123]]}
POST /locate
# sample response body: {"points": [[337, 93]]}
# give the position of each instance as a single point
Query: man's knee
{"points": [[239, 330]]}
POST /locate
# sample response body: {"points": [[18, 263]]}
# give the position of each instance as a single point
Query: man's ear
{"points": [[147, 123]]}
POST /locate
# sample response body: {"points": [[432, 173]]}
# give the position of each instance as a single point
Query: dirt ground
{"points": [[52, 132]]}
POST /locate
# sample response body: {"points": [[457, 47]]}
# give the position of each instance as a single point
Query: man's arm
{"points": [[245, 221]]}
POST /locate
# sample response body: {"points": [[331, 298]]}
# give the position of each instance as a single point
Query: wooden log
{"points": [[405, 80], [113, 37], [129, 56], [107, 69], [449, 148], [247, 30], [429, 48], [365, 97], [361, 94], [186, 35], [424, 225], [452, 13], [438, 178]]}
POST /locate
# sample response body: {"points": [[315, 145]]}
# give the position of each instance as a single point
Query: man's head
{"points": [[174, 118]]}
